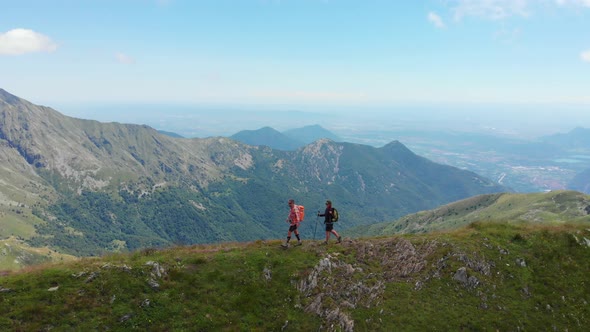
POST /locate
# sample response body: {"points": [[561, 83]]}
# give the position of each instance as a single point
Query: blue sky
{"points": [[316, 52]]}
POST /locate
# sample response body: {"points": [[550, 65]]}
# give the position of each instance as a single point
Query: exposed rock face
{"points": [[334, 287], [157, 273], [323, 160], [349, 286]]}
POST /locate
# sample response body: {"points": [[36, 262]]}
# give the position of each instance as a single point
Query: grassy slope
{"points": [[520, 277], [552, 207], [16, 254]]}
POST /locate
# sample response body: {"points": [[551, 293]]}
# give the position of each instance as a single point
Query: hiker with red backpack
{"points": [[295, 217], [329, 219]]}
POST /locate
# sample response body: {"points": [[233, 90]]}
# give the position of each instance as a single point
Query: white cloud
{"points": [[502, 9], [124, 59], [491, 9], [585, 56], [436, 20], [583, 3], [21, 41]]}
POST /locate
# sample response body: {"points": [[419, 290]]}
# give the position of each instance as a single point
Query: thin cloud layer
{"points": [[503, 9], [490, 9], [436, 20], [583, 3], [124, 59], [22, 41]]}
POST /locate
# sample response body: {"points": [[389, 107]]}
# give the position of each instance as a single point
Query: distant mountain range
{"points": [[289, 140], [577, 142], [578, 138], [554, 162], [83, 187], [526, 165]]}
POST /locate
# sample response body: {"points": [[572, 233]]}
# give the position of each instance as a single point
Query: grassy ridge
{"points": [[487, 276], [553, 207]]}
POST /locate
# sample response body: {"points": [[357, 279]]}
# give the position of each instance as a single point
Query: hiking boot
{"points": [[325, 242], [285, 245], [339, 239], [299, 243]]}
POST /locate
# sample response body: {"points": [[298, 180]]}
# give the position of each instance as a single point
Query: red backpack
{"points": [[300, 210]]}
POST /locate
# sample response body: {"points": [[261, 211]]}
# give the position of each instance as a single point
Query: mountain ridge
{"points": [[554, 207], [88, 187], [288, 140]]}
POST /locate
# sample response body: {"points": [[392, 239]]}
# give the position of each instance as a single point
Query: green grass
{"points": [[12, 224], [399, 283]]}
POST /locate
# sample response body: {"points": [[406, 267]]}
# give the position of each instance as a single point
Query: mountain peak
{"points": [[8, 98], [308, 134], [397, 147], [267, 129], [266, 136]]}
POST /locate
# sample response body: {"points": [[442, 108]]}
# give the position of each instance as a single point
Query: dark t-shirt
{"points": [[328, 214]]}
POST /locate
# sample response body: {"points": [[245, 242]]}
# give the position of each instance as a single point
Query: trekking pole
{"points": [[316, 224]]}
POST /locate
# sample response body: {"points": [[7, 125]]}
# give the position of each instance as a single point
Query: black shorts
{"points": [[292, 227], [329, 227]]}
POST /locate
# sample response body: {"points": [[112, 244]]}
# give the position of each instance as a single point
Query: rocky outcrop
{"points": [[334, 287]]}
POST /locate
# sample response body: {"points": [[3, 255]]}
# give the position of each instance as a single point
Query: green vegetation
{"points": [[486, 276], [13, 225], [165, 217]]}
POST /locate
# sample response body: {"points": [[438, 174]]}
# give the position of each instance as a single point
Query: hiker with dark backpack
{"points": [[330, 216], [295, 217]]}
